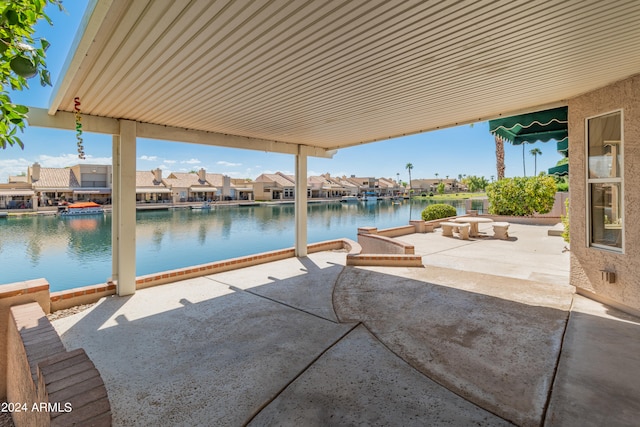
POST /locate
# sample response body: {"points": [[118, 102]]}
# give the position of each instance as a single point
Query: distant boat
{"points": [[204, 206], [349, 199], [370, 197], [81, 208]]}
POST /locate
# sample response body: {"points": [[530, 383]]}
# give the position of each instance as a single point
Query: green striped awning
{"points": [[529, 128], [559, 170]]}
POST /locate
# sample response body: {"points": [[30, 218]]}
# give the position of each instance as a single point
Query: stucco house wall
{"points": [[587, 263]]}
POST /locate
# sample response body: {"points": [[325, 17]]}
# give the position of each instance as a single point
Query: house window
{"points": [[605, 182]]}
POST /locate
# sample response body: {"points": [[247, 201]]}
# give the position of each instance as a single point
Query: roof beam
{"points": [[170, 133], [91, 22], [64, 120]]}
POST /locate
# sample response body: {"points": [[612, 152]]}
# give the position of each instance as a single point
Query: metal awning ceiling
{"points": [[144, 190], [332, 74], [16, 193], [93, 191]]}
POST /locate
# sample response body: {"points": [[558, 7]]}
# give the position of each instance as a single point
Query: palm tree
{"points": [[408, 168], [499, 156], [524, 165], [437, 175], [535, 153]]}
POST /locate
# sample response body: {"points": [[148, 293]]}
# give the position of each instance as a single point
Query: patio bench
{"points": [[500, 230], [461, 227]]}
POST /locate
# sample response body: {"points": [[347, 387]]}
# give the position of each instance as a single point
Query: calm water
{"points": [[72, 252]]}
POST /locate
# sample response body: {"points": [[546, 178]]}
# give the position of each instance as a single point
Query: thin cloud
{"points": [[170, 162], [191, 162], [10, 167], [66, 160], [225, 163], [149, 158], [19, 166]]}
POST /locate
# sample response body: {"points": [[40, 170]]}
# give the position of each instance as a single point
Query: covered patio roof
{"points": [[307, 78], [335, 74]]}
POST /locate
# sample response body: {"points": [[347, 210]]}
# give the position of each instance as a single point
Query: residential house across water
{"points": [[44, 187]]}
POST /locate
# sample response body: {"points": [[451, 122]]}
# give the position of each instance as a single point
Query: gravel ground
{"points": [[68, 312]]}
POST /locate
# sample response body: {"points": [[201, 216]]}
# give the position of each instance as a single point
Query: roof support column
{"points": [[115, 195], [124, 208], [301, 204]]}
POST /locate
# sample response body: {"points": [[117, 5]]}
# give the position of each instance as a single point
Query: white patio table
{"points": [[474, 221]]}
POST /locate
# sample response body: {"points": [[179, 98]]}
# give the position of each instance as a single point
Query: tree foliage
{"points": [[475, 183], [21, 58], [437, 211], [521, 196]]}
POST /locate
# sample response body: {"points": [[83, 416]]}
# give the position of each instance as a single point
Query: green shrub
{"points": [[565, 222], [521, 196], [437, 211], [562, 183]]}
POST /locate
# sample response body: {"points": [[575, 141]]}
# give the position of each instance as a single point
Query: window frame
{"points": [[607, 180]]}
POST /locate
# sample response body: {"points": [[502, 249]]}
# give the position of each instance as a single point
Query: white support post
{"points": [[125, 207], [301, 204], [115, 206]]}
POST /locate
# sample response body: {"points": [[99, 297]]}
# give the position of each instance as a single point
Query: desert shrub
{"points": [[521, 196], [437, 211]]}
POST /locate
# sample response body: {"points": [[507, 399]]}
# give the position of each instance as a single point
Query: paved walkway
{"points": [[488, 333]]}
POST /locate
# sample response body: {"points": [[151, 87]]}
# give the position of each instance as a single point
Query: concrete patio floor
{"points": [[488, 333]]}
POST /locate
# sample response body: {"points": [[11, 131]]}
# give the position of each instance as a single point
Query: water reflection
{"points": [[72, 252], [88, 237]]}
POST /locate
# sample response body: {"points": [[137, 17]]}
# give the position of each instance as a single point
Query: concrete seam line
{"points": [[305, 369], [333, 293], [290, 306], [429, 378], [248, 291], [219, 282], [547, 403], [470, 242]]}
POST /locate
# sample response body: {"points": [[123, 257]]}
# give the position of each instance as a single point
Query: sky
{"points": [[463, 150]]}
